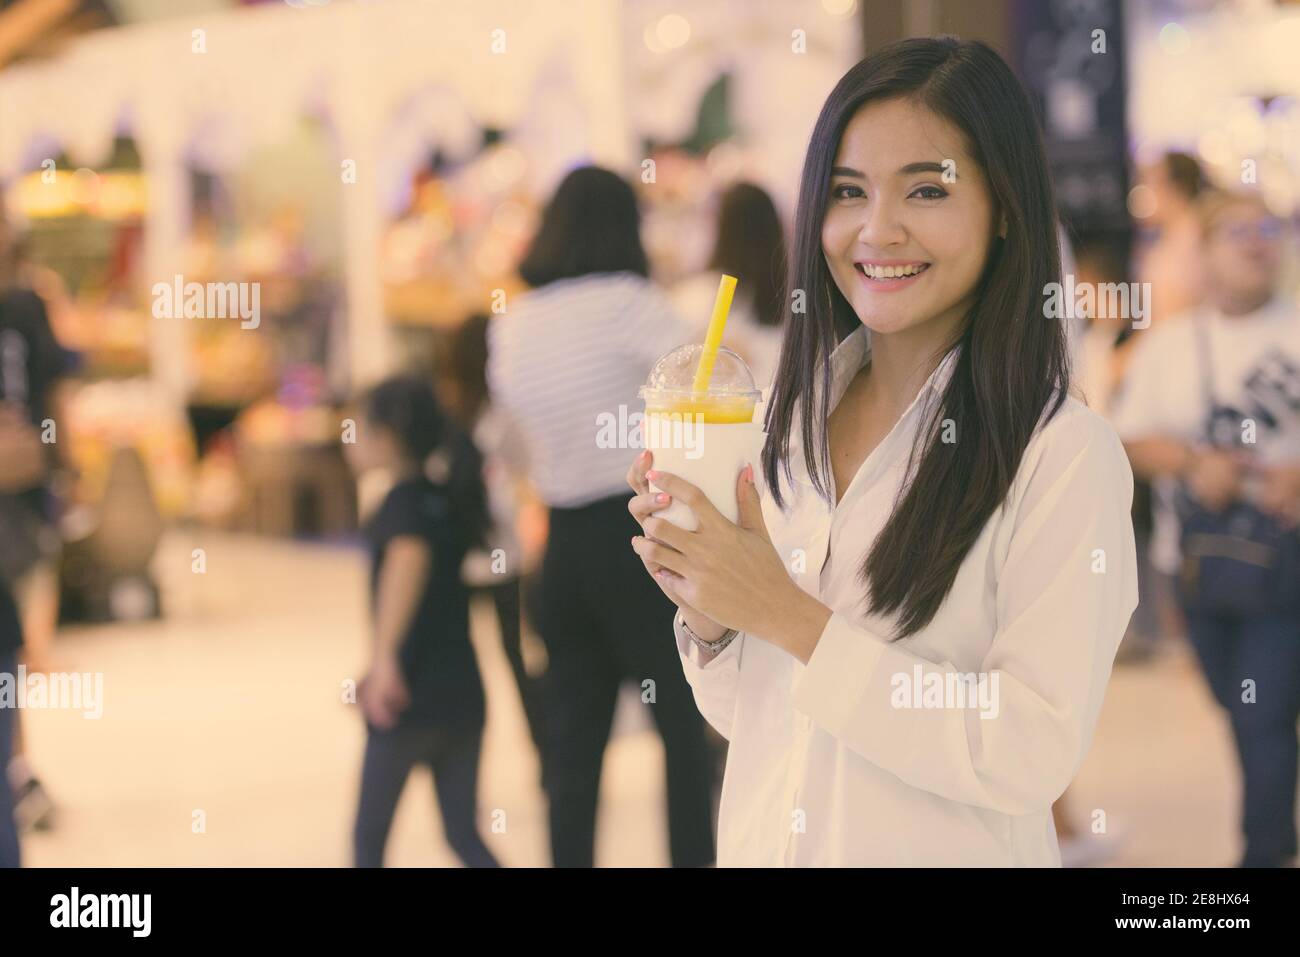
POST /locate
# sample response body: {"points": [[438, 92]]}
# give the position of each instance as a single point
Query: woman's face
{"points": [[909, 218], [373, 446]]}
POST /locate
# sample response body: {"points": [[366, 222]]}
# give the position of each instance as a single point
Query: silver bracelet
{"points": [[711, 646]]}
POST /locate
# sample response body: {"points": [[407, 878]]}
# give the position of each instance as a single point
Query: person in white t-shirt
{"points": [[1212, 402]]}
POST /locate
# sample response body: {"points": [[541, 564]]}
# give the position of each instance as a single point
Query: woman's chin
{"points": [[886, 323]]}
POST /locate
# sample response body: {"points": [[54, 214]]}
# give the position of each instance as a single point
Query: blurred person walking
{"points": [[422, 697], [1171, 248], [31, 365], [1106, 338], [1168, 258], [497, 568], [568, 355], [1100, 341], [22, 466], [751, 246], [1212, 401], [1105, 347]]}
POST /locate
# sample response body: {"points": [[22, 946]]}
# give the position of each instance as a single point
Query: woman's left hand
{"points": [[729, 572], [383, 693]]}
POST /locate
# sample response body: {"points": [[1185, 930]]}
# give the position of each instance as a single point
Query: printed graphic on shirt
{"points": [[1269, 404]]}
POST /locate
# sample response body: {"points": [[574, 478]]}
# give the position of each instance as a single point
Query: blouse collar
{"points": [[852, 353]]}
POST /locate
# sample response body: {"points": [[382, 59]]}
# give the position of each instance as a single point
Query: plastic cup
{"points": [[706, 438]]}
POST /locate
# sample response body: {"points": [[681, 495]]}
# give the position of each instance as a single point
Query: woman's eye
{"points": [[847, 191], [929, 192]]}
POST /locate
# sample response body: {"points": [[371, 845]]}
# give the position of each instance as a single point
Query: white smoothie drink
{"points": [[698, 423]]}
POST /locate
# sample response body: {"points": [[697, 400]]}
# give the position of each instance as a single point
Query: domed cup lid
{"points": [[731, 395]]}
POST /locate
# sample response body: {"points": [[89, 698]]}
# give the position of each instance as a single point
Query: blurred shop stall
{"points": [[372, 172], [386, 82], [342, 161], [717, 97]]}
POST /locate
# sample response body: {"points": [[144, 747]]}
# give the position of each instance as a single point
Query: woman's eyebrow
{"points": [[908, 170], [911, 168]]}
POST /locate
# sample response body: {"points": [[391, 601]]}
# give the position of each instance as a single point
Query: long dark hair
{"points": [[1012, 363], [464, 363], [406, 406], [591, 225], [751, 247]]}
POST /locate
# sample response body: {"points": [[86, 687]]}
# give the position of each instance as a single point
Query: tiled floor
{"points": [[232, 706]]}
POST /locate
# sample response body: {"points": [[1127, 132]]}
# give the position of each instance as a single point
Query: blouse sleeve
{"points": [[1064, 595], [713, 684]]}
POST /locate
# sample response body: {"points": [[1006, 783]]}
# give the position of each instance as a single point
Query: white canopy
{"points": [[570, 80]]}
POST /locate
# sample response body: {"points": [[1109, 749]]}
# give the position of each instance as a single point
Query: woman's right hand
{"points": [[642, 505]]}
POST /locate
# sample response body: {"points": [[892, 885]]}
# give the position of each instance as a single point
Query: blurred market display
{"points": [[376, 169]]}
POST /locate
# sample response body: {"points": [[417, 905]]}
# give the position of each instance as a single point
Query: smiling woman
{"points": [[927, 161], [934, 510], [879, 197]]}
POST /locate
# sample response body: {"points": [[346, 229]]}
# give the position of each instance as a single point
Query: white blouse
{"points": [[946, 748]]}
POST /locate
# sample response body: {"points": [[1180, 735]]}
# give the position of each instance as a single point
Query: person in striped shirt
{"points": [[565, 361]]}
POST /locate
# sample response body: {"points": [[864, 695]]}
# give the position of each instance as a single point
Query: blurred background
{"points": [[379, 168]]}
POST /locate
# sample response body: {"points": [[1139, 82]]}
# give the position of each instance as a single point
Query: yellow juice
{"points": [[719, 410]]}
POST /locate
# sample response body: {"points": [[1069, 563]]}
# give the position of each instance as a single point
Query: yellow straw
{"points": [[721, 306]]}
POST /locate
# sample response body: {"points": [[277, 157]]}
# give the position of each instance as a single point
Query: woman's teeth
{"points": [[891, 272]]}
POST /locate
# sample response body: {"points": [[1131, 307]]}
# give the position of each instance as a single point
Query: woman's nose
{"points": [[881, 226]]}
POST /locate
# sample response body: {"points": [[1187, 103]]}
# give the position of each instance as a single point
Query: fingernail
{"points": [[749, 474], [662, 498], [652, 475]]}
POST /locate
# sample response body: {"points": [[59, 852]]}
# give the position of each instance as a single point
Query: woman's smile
{"points": [[890, 275]]}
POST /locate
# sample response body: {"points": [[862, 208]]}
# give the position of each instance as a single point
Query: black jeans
{"points": [[1266, 650], [9, 856], [603, 621], [507, 598], [453, 757]]}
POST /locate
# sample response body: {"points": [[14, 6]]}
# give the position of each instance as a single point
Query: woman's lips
{"points": [[889, 285]]}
